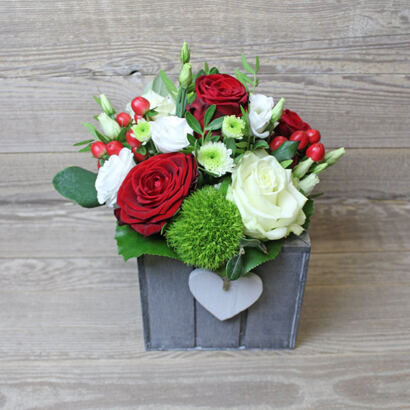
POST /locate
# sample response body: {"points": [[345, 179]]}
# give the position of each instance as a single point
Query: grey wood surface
{"points": [[70, 317]]}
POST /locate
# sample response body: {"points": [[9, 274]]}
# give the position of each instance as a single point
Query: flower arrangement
{"points": [[207, 171]]}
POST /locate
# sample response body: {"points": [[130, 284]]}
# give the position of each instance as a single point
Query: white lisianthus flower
{"points": [[260, 114], [170, 133], [270, 205], [164, 106], [216, 158], [109, 127], [111, 175]]}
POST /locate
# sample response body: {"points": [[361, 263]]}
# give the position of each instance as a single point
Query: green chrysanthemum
{"points": [[142, 131], [233, 127], [208, 230], [216, 158]]}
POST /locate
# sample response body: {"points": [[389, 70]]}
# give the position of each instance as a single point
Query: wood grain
{"points": [[159, 382], [355, 111], [290, 36]]}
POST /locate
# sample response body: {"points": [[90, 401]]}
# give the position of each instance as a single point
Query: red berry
{"points": [[300, 136], [313, 136], [124, 119], [139, 157], [277, 142], [140, 105], [114, 147], [316, 151], [137, 117], [129, 136], [98, 149]]}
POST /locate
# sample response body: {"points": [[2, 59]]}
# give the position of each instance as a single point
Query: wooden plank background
{"points": [[70, 319]]}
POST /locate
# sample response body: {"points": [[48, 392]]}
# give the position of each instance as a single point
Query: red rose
{"points": [[289, 123], [223, 90], [154, 190]]}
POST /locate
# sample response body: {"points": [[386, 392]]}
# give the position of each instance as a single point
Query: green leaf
{"points": [[257, 64], [309, 210], [93, 130], [286, 163], [230, 144], [286, 151], [209, 114], [225, 185], [97, 100], [193, 122], [238, 158], [148, 87], [254, 243], [215, 124], [253, 257], [234, 267], [131, 244], [86, 148], [191, 139], [261, 144], [246, 65], [77, 144], [206, 67], [213, 70], [170, 86], [159, 87], [77, 184], [243, 78], [242, 144]]}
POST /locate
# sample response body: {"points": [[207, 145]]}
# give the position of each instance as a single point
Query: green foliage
{"points": [[253, 257], [77, 184], [286, 151], [131, 244], [309, 210], [208, 230]]}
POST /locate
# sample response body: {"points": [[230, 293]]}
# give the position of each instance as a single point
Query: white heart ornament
{"points": [[207, 288]]}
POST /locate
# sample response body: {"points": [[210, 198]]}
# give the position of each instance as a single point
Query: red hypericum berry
{"points": [[114, 147], [129, 136], [316, 151], [98, 149], [139, 157], [138, 117], [123, 119], [277, 142], [140, 105], [313, 136], [300, 136]]}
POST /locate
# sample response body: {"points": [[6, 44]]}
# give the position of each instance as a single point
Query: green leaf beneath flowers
{"points": [[131, 244], [309, 210], [261, 144], [77, 144], [234, 267], [286, 163], [193, 122], [286, 151], [254, 257], [77, 184]]}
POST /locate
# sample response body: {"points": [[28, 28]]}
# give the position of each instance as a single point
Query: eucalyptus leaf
{"points": [[131, 244], [193, 122], [78, 185], [286, 151]]}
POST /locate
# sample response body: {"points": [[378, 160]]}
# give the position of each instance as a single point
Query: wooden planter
{"points": [[173, 320]]}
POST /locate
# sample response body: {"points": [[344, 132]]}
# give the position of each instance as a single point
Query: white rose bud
{"points": [[111, 175], [260, 114], [106, 105], [110, 128], [170, 134]]}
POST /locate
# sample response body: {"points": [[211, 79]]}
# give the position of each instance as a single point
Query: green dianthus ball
{"points": [[208, 230]]}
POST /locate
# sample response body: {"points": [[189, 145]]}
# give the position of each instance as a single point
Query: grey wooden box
{"points": [[173, 320]]}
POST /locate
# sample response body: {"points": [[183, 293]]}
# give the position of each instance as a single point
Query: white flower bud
{"points": [[307, 184], [110, 128], [106, 105]]}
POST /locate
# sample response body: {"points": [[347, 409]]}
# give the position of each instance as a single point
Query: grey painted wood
{"points": [[167, 303], [172, 321]]}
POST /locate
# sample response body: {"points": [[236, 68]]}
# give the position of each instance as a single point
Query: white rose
{"points": [[260, 114], [170, 133], [269, 203], [111, 175]]}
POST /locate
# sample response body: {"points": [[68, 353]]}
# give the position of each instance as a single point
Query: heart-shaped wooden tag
{"points": [[207, 288]]}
